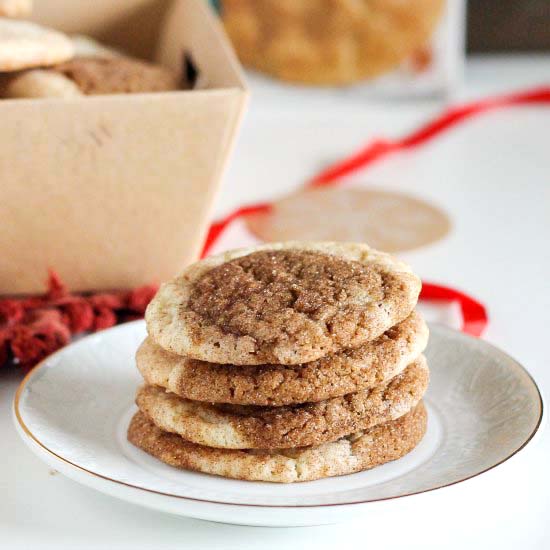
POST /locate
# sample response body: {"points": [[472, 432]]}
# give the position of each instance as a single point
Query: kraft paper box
{"points": [[116, 191]]}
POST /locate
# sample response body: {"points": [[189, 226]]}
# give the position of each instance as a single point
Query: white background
{"points": [[492, 175]]}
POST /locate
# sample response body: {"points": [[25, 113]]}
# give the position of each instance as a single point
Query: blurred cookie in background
{"points": [[328, 42], [25, 45], [15, 8], [385, 220]]}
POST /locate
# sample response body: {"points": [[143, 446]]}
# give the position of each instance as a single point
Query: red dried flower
{"points": [[4, 352], [42, 333], [139, 298], [33, 327], [11, 311], [56, 287], [79, 315], [104, 318], [109, 301]]}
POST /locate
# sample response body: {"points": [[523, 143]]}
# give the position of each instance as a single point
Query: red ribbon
{"points": [[218, 227], [380, 148], [474, 314]]}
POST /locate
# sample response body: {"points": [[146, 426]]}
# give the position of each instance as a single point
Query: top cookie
{"points": [[282, 303], [24, 45]]}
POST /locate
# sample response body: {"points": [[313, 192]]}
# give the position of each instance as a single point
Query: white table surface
{"points": [[493, 176]]}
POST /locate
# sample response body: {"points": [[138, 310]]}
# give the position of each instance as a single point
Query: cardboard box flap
{"points": [[159, 30], [184, 32], [116, 191]]}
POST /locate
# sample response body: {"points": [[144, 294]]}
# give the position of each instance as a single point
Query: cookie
{"points": [[250, 427], [26, 45], [354, 453], [104, 73], [43, 83], [284, 303], [37, 83], [328, 42], [117, 75], [15, 8], [389, 221], [85, 46], [334, 375]]}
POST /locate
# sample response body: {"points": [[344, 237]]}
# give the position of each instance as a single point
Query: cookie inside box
{"points": [[115, 191], [144, 29]]}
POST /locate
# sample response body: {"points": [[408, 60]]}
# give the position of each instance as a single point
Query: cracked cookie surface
{"points": [[284, 303], [334, 375], [252, 427], [361, 451]]}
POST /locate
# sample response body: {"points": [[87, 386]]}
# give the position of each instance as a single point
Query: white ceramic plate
{"points": [[73, 409]]}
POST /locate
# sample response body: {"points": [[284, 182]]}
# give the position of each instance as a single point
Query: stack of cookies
{"points": [[286, 362], [38, 62]]}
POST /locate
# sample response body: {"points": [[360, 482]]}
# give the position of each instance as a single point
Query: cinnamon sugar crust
{"points": [[360, 451], [286, 303], [251, 427], [348, 371]]}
